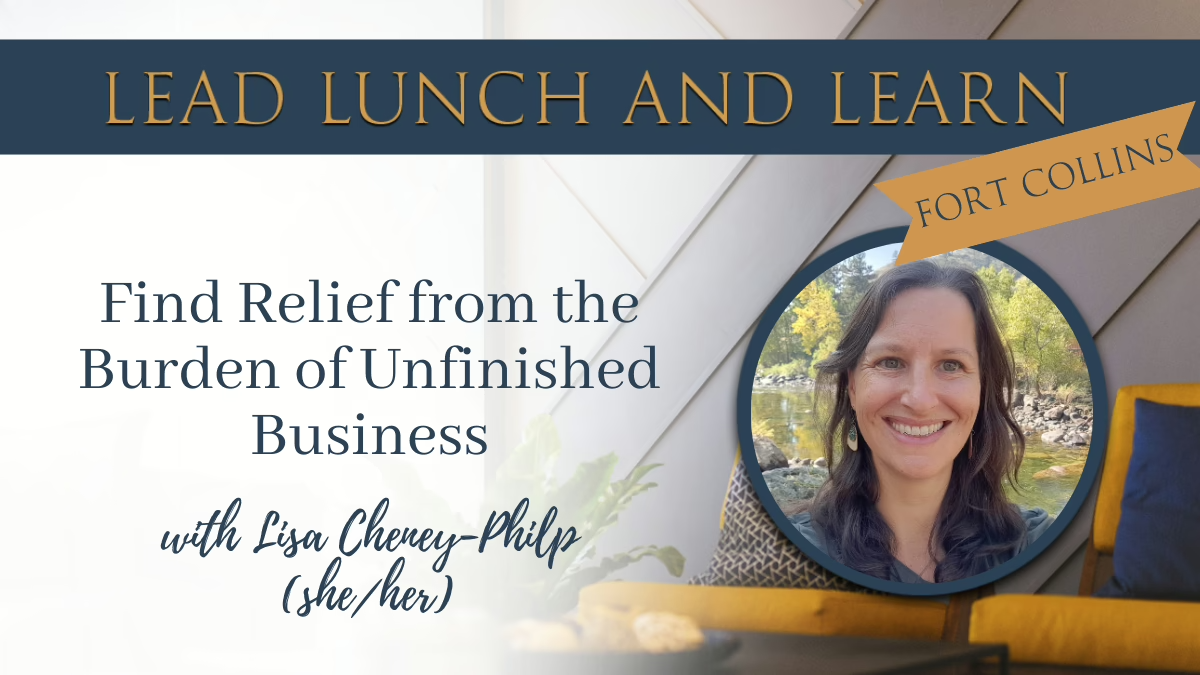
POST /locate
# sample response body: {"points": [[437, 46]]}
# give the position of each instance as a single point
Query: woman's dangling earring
{"points": [[971, 447], [852, 437]]}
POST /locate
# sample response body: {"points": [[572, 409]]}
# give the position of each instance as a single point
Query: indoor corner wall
{"points": [[700, 312], [778, 212], [1131, 273]]}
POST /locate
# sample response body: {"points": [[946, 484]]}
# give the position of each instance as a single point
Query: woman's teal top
{"points": [[1037, 521]]}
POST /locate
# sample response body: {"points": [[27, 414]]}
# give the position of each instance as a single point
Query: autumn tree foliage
{"points": [[1043, 346]]}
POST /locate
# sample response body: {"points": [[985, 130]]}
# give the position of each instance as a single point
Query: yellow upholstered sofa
{"points": [[780, 609], [1100, 632]]}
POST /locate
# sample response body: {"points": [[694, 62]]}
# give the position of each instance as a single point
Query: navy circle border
{"points": [[1100, 414]]}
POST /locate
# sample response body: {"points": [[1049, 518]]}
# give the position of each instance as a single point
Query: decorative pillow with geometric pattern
{"points": [[752, 551]]}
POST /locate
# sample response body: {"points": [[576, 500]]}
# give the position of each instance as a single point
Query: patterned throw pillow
{"points": [[752, 551]]}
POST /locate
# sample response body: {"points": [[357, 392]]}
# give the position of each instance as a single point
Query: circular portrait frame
{"points": [[1100, 415]]}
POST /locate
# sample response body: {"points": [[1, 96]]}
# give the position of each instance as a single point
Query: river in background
{"points": [[788, 415]]}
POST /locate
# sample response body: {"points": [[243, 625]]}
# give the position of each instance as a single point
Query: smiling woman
{"points": [[920, 439]]}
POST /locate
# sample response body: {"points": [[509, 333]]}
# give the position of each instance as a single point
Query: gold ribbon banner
{"points": [[1045, 183]]}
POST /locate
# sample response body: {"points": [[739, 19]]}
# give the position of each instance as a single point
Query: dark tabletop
{"points": [[771, 653], [765, 654]]}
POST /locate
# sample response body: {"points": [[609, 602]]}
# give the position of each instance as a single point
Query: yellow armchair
{"points": [[1100, 632]]}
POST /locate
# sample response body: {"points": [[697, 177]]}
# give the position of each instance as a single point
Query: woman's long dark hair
{"points": [[977, 526]]}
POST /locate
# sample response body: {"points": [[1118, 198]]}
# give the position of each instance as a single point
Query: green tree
{"points": [[1041, 339], [832, 277], [816, 315], [783, 346], [856, 278], [1000, 283], [827, 347]]}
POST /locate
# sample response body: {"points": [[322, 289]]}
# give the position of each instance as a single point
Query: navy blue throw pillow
{"points": [[1157, 554]]}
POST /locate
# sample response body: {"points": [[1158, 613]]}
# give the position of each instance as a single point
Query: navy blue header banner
{"points": [[523, 97]]}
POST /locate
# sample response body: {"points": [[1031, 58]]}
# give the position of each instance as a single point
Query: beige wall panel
{"points": [[930, 19], [1102, 19], [697, 453], [1154, 337], [776, 19], [716, 286]]}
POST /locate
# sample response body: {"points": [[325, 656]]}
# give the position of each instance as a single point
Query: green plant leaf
{"points": [[527, 471], [618, 498], [567, 590], [581, 495], [671, 558], [639, 472], [590, 501], [632, 492], [407, 494]]}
